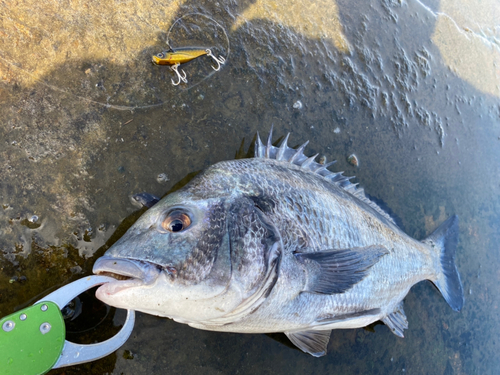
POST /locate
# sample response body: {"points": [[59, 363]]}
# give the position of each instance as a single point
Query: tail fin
{"points": [[445, 239]]}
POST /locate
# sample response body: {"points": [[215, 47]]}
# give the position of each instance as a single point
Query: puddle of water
{"points": [[426, 140]]}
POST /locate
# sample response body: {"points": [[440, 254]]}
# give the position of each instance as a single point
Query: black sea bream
{"points": [[277, 243]]}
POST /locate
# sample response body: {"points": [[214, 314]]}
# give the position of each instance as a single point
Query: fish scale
{"points": [[276, 243]]}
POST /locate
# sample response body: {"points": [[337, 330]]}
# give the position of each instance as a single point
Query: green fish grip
{"points": [[33, 340]]}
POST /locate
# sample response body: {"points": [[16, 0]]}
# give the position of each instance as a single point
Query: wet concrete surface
{"points": [[411, 88]]}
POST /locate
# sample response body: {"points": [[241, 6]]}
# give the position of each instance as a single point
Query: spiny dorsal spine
{"points": [[297, 157]]}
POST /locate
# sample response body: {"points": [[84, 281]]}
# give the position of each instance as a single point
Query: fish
{"points": [[178, 56], [276, 243]]}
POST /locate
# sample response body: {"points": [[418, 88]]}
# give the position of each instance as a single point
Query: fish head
{"points": [[194, 259]]}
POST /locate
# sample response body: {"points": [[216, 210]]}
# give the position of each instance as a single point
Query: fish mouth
{"points": [[128, 273]]}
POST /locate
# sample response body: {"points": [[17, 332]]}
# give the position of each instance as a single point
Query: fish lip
{"points": [[136, 270], [129, 273]]}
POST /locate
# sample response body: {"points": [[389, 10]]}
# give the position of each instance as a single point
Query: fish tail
{"points": [[445, 240]]}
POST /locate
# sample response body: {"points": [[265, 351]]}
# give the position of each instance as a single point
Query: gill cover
{"points": [[255, 252]]}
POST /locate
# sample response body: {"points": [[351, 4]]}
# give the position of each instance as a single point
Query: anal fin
{"points": [[336, 271], [312, 342], [397, 321]]}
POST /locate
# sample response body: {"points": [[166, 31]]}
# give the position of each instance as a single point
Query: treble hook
{"points": [[220, 61], [179, 75]]}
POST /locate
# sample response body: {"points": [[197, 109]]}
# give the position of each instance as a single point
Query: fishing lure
{"points": [[176, 57]]}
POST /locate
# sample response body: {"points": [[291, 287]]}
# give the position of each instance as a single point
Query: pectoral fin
{"points": [[336, 271], [396, 321], [145, 199], [312, 342]]}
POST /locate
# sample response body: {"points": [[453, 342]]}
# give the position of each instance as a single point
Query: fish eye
{"points": [[160, 55], [176, 221]]}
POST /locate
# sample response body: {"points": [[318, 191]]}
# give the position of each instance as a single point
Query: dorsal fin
{"points": [[297, 157]]}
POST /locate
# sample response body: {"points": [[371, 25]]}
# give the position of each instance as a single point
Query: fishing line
{"points": [[124, 107], [216, 23], [56, 88]]}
